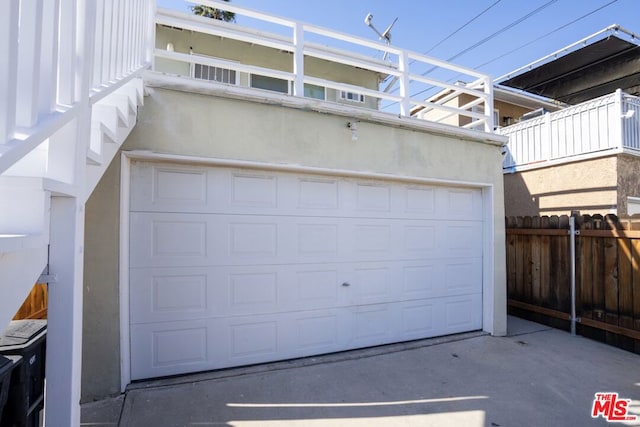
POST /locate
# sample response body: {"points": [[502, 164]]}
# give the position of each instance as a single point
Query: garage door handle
{"points": [[345, 284]]}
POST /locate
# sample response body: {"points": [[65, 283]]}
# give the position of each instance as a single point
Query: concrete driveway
{"points": [[537, 376]]}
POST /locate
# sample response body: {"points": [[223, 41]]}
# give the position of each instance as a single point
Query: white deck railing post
{"points": [[619, 120], [405, 82], [67, 53], [29, 55], [8, 69], [489, 125], [48, 74], [298, 60], [547, 134]]}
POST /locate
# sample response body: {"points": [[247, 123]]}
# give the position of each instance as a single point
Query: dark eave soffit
{"points": [[594, 70]]}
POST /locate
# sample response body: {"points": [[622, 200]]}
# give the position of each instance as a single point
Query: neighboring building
{"points": [[272, 204], [573, 122], [585, 157], [509, 107]]}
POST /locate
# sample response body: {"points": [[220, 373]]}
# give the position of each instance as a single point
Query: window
{"points": [[216, 74], [269, 83], [633, 205], [313, 91], [496, 115], [351, 96]]}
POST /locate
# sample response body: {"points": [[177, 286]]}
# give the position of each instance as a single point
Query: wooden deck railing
{"points": [[607, 275]]}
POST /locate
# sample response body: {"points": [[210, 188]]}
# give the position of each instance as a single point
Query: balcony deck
{"points": [[600, 127], [404, 80]]}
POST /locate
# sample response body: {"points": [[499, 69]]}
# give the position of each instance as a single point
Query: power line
{"points": [[462, 27], [503, 29], [546, 35], [486, 39]]}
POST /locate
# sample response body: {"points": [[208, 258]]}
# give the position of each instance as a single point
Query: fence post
{"points": [[572, 245]]}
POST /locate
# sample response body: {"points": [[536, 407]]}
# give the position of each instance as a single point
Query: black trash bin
{"points": [[7, 364], [25, 338]]}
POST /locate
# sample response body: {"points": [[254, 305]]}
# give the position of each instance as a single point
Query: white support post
{"points": [[66, 260], [403, 66], [298, 60], [8, 69], [29, 55], [489, 125], [64, 329]]}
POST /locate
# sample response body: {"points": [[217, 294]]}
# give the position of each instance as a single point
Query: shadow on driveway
{"points": [[536, 376]]}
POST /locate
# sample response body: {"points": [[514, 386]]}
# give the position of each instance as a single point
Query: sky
{"points": [[492, 36]]}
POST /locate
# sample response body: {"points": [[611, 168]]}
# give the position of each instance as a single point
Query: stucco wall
{"points": [[514, 112], [201, 125], [101, 330], [588, 186], [628, 180]]}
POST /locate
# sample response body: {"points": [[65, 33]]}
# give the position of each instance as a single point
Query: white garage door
{"points": [[232, 267]]}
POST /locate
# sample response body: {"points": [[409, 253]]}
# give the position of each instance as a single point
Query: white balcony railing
{"points": [[408, 79], [59, 54], [602, 126]]}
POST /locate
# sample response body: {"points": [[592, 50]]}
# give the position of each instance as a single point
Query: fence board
{"points": [[35, 305], [607, 274], [545, 261]]}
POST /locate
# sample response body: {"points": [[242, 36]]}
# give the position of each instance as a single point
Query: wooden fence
{"points": [[607, 275], [35, 305]]}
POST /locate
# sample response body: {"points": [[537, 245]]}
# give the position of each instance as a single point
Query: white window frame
{"points": [[496, 115], [352, 96], [251, 76], [192, 70], [633, 205]]}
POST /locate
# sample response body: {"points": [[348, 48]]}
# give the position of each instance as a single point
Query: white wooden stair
{"points": [[43, 171]]}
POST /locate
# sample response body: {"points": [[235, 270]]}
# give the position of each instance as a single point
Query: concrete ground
{"points": [[537, 376]]}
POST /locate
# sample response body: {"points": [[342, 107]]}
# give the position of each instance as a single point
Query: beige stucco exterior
{"points": [[506, 112], [628, 169], [599, 185], [191, 124]]}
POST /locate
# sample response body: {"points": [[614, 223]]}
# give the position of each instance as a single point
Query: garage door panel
{"points": [[461, 314], [198, 240], [254, 190], [462, 276], [170, 294], [315, 193], [417, 319], [174, 188], [372, 325], [462, 239], [169, 239], [161, 349], [420, 279], [249, 266]]}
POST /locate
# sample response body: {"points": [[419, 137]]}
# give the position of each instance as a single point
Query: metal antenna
{"points": [[385, 35]]}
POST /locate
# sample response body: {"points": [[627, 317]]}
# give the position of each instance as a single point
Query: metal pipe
{"points": [[572, 245]]}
